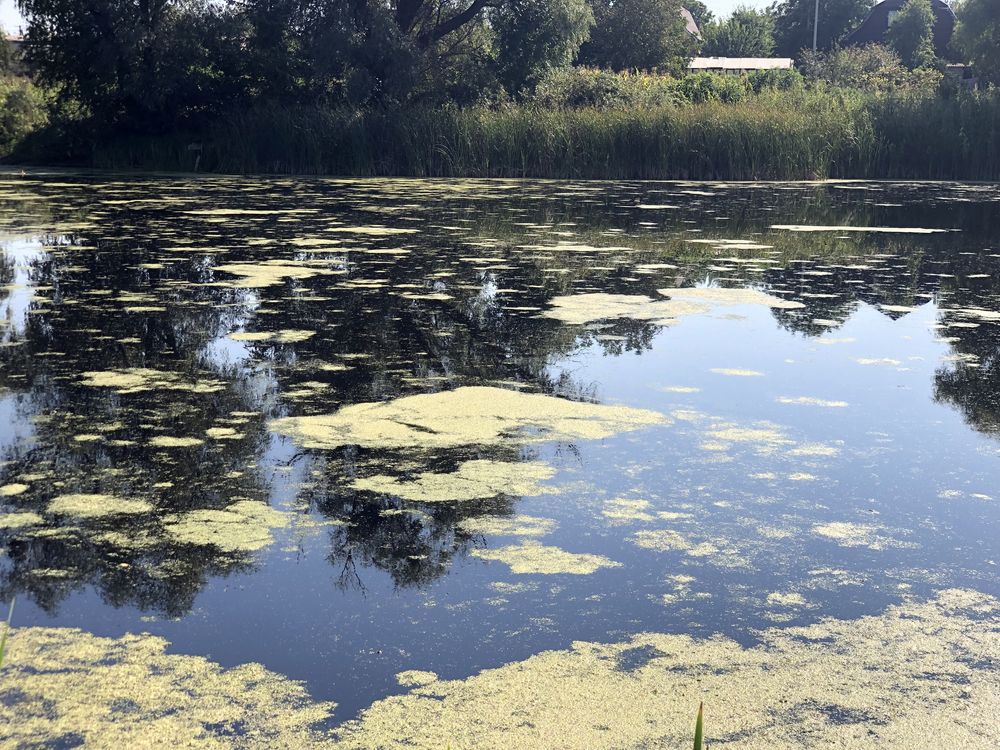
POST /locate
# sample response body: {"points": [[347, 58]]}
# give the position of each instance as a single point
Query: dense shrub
{"points": [[873, 68], [591, 87], [23, 110]]}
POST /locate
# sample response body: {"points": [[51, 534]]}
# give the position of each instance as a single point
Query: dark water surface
{"points": [[813, 460]]}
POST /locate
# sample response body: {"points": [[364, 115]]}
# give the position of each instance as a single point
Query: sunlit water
{"points": [[822, 459]]}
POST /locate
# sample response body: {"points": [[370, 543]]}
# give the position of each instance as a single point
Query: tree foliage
{"points": [[977, 36], [535, 36], [793, 23], [5, 54], [699, 12], [911, 34], [746, 33], [638, 35], [158, 64]]}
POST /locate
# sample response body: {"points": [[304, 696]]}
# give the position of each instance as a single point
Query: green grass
{"points": [[6, 630], [699, 727], [775, 135]]}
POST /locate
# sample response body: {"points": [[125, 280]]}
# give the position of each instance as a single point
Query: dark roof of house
{"points": [[872, 30], [689, 23]]}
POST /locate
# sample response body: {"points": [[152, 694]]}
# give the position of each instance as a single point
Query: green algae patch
{"points": [[874, 230], [472, 480], [83, 505], [577, 309], [623, 509], [471, 415], [532, 557], [519, 525], [66, 685], [245, 526], [415, 678], [665, 540], [285, 336], [730, 297], [139, 379], [223, 433], [858, 535], [169, 441], [269, 273], [875, 674], [373, 231], [810, 401], [20, 520]]}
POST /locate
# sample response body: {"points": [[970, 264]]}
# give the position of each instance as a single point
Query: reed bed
{"points": [[794, 135]]}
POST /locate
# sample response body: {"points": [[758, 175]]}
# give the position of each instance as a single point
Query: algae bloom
{"points": [[472, 415], [532, 557]]}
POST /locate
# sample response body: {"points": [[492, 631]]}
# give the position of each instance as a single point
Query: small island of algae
{"points": [[472, 480], [532, 557], [471, 415]]}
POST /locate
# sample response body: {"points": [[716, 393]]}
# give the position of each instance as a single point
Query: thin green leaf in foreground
{"points": [[6, 630]]}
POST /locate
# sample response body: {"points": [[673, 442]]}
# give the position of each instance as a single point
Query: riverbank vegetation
{"points": [[540, 88]]}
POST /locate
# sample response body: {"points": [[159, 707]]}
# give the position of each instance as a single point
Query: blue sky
{"points": [[10, 19]]}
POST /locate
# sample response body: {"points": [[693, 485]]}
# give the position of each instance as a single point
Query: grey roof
{"points": [[689, 23]]}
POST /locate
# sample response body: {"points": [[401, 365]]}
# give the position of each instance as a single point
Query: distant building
{"points": [[873, 29], [15, 42], [737, 65], [690, 24]]}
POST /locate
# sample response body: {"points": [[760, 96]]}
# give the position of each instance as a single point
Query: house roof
{"points": [[690, 24], [740, 63], [872, 30]]}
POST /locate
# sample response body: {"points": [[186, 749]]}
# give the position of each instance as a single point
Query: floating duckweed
{"points": [[809, 401], [581, 698], [625, 509], [269, 273], [532, 557], [286, 336], [65, 683], [578, 309], [662, 540], [464, 416], [881, 230], [415, 678], [786, 599], [139, 379], [726, 297], [857, 535], [169, 441], [472, 479], [760, 436], [374, 231], [244, 526], [20, 520], [223, 433], [513, 526], [84, 505]]}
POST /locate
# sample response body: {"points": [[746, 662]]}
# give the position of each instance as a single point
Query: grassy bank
{"points": [[778, 135]]}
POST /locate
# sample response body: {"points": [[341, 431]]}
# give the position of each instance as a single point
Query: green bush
{"points": [[873, 68], [712, 87], [572, 88], [23, 110]]}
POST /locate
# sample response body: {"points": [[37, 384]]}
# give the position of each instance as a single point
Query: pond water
{"points": [[358, 431]]}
